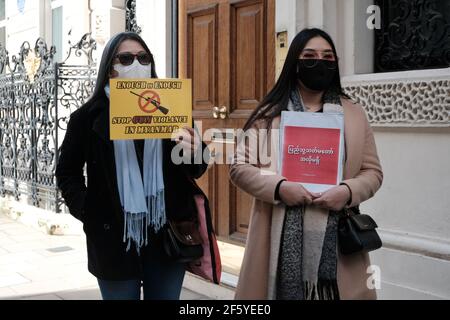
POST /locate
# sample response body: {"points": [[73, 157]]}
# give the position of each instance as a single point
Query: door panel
{"points": [[247, 23], [202, 62]]}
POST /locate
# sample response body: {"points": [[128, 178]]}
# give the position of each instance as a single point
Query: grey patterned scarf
{"points": [[307, 266]]}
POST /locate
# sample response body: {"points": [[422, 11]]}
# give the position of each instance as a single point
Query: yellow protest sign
{"points": [[149, 108]]}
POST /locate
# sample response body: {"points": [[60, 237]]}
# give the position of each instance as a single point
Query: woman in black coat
{"points": [[120, 258]]}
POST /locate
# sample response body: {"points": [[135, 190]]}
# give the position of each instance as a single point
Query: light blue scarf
{"points": [[142, 199]]}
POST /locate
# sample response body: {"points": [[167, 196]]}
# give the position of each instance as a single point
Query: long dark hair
{"points": [[107, 59], [278, 98]]}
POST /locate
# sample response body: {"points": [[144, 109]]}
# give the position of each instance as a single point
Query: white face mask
{"points": [[133, 71]]}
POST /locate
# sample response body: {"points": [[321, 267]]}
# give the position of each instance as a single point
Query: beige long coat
{"points": [[362, 173]]}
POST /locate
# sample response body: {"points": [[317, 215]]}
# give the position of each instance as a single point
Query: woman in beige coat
{"points": [[292, 250]]}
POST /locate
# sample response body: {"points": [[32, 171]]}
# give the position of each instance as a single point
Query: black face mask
{"points": [[316, 74]]}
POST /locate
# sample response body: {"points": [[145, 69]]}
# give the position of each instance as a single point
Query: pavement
{"points": [[35, 265]]}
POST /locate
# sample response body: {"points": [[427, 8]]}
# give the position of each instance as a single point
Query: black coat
{"points": [[98, 205]]}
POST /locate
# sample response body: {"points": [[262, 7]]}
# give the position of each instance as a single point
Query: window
{"points": [[414, 35]]}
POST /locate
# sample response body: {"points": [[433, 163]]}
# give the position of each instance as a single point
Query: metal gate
{"points": [[37, 96]]}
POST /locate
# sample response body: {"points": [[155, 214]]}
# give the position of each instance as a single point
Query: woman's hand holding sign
{"points": [[188, 140], [334, 199], [294, 194]]}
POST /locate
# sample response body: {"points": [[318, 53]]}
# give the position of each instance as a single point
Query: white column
{"points": [[345, 36], [45, 16], [75, 25], [76, 18], [364, 38], [108, 19], [354, 40], [315, 13], [286, 17], [21, 26], [154, 17]]}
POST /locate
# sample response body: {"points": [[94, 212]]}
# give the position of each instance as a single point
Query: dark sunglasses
{"points": [[311, 63], [127, 58]]}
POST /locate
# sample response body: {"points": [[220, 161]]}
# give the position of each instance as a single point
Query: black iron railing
{"points": [[37, 96], [130, 15], [414, 34]]}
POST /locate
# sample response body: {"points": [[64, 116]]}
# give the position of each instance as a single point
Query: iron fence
{"points": [[37, 96]]}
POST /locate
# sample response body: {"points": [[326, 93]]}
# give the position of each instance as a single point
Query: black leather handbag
{"points": [[356, 232], [182, 241]]}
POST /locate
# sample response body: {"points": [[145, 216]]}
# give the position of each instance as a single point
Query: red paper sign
{"points": [[311, 155]]}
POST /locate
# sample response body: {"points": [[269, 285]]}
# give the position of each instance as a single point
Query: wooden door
{"points": [[227, 49]]}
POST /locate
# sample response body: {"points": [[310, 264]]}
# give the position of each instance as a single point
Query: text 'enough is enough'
{"points": [[127, 85]]}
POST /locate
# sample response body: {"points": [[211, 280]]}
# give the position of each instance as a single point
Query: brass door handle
{"points": [[220, 113]]}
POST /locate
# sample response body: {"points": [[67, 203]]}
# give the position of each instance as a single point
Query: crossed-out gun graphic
{"points": [[164, 110]]}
